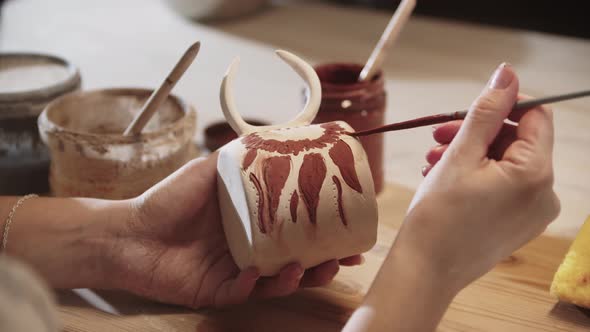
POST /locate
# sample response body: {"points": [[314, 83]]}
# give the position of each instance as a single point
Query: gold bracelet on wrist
{"points": [[11, 216]]}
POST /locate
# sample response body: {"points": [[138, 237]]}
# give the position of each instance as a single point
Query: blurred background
{"points": [[566, 17]]}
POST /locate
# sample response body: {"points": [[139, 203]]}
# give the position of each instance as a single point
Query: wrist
{"points": [[409, 293], [423, 271], [103, 242], [423, 241], [68, 241]]}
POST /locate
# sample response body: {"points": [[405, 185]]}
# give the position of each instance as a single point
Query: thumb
{"points": [[487, 114]]}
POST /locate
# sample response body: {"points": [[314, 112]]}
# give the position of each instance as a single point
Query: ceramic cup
{"points": [[294, 192], [91, 158]]}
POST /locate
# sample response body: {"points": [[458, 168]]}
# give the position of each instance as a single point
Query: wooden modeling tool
{"points": [[446, 117], [388, 38], [161, 94]]}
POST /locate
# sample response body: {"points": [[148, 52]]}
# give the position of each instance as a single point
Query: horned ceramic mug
{"points": [[294, 192]]}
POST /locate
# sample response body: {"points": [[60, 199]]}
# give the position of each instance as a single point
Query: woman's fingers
{"points": [[320, 275], [445, 133], [426, 169], [505, 138], [515, 116], [352, 260], [293, 276], [234, 291], [434, 155], [284, 284]]}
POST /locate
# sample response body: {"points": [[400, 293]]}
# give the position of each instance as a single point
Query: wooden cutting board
{"points": [[513, 297]]}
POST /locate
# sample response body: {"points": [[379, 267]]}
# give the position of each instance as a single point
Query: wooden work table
{"points": [[437, 66]]}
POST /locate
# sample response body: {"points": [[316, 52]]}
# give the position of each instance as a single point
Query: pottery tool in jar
{"points": [[388, 38], [446, 117], [161, 94], [94, 153], [355, 93]]}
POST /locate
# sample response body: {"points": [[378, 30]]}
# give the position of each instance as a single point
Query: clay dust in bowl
{"points": [[92, 158], [28, 82]]}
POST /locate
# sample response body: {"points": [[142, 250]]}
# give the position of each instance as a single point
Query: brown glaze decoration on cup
{"points": [[360, 104], [220, 133], [92, 158], [294, 192]]}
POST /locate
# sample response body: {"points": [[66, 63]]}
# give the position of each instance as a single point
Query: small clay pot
{"points": [[28, 82], [220, 133], [360, 104], [90, 157]]}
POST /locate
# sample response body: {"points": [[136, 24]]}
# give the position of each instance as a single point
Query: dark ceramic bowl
{"points": [[220, 133]]}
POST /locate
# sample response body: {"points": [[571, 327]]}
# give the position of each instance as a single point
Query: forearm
{"points": [[407, 295], [68, 241]]}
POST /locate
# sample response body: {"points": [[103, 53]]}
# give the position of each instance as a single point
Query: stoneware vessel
{"points": [[28, 82], [294, 192], [90, 156]]}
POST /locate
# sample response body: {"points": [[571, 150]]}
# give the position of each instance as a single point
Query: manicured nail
{"points": [[425, 169], [502, 77]]}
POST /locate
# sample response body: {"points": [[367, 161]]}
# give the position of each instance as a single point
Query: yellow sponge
{"points": [[571, 282]]}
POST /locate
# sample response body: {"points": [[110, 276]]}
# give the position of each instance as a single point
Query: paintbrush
{"points": [[446, 117]]}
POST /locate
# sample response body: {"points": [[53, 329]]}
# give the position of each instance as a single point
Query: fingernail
{"points": [[298, 271], [425, 169], [300, 274], [502, 77]]}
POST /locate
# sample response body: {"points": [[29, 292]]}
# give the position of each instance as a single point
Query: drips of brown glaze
{"points": [[275, 171], [311, 177], [293, 204], [342, 156], [340, 206], [261, 223], [294, 147], [249, 158]]}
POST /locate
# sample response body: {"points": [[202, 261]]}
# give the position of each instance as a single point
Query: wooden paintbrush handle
{"points": [[446, 117], [414, 123]]}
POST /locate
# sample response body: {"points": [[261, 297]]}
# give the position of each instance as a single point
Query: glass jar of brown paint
{"points": [[360, 104]]}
